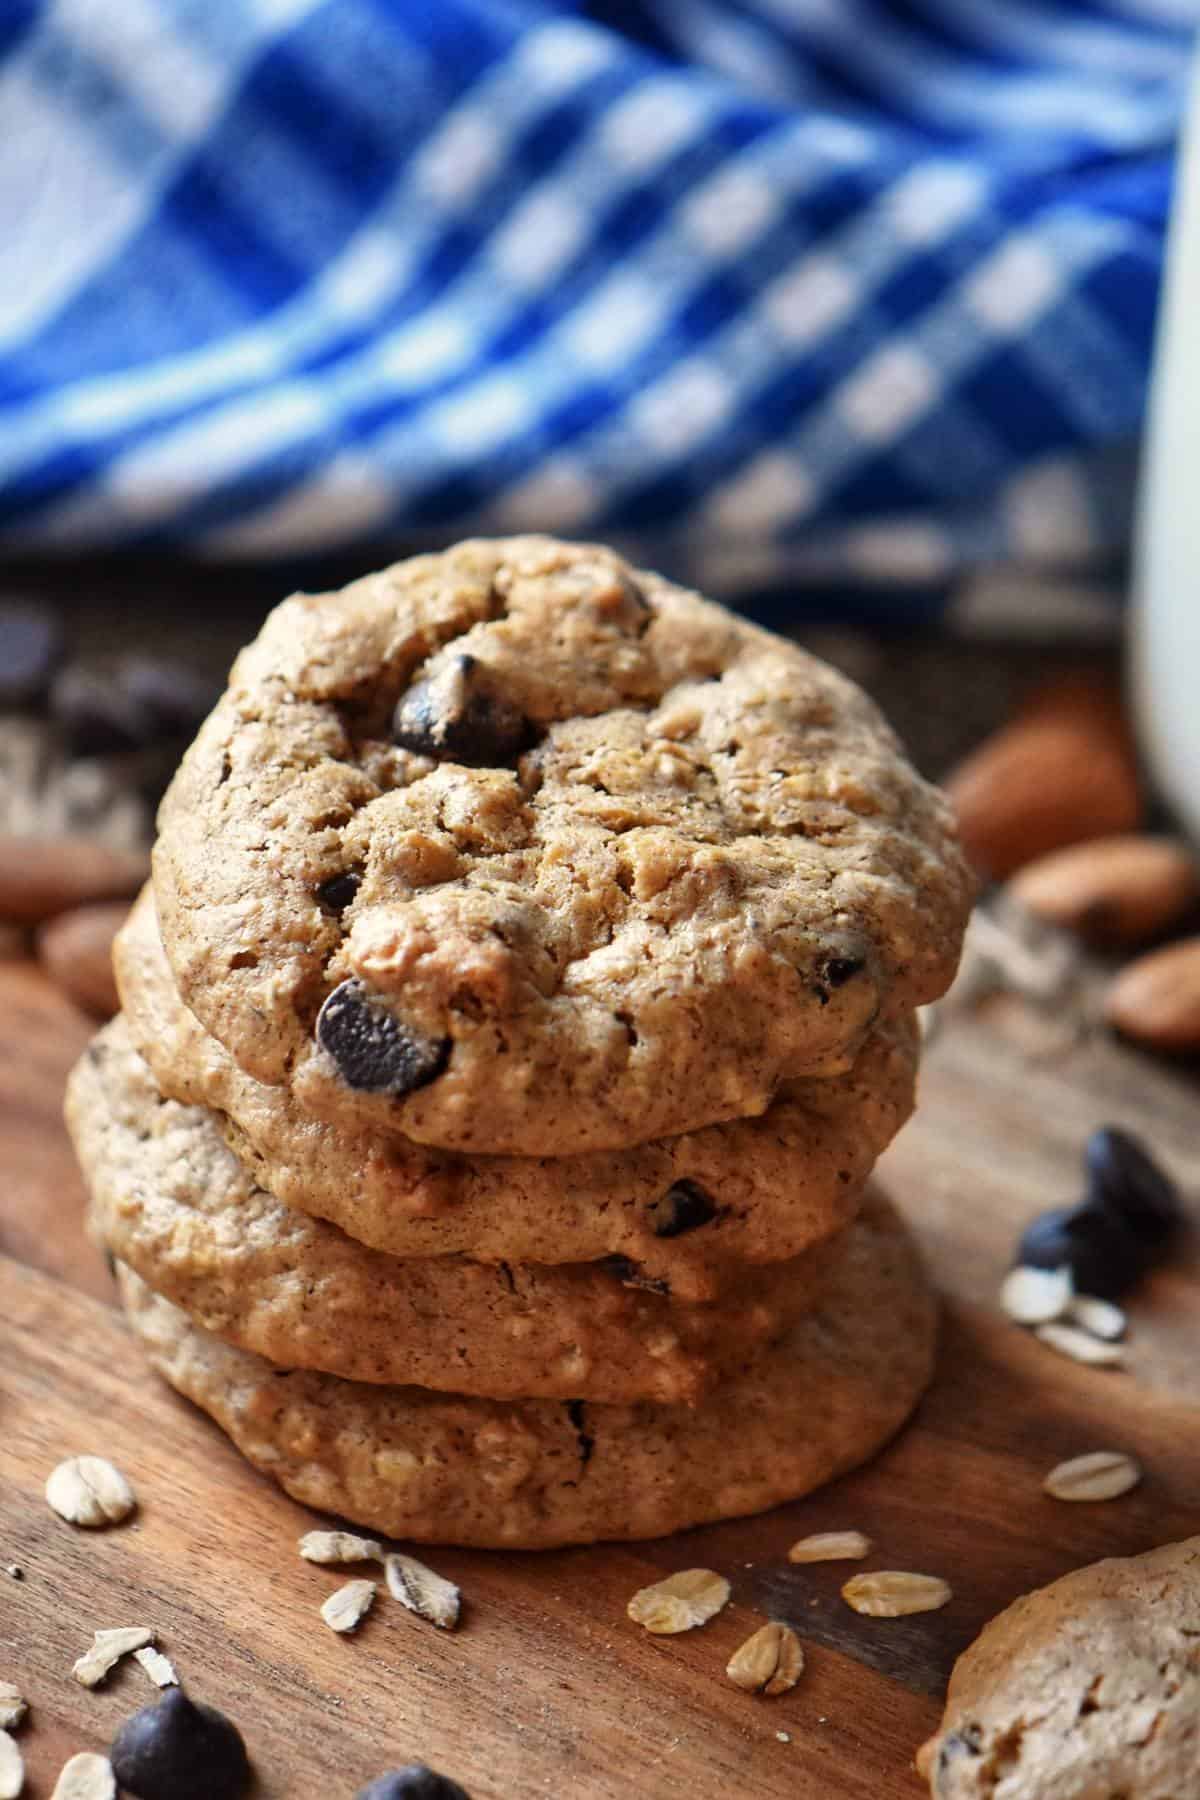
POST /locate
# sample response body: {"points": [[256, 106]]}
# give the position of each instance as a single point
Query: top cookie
{"points": [[513, 849]]}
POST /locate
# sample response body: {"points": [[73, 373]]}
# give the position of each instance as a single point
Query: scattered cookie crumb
{"points": [[107, 1649]]}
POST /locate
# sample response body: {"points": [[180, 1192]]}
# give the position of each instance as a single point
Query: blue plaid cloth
{"points": [[762, 289]]}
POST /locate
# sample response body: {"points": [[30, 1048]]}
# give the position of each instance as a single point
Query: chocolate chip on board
{"points": [[457, 716], [1124, 1177], [31, 648], [1102, 1254], [413, 1782], [373, 1051], [180, 1749]]}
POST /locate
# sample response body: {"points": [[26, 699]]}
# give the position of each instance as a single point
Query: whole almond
{"points": [[1116, 890], [76, 952], [40, 877], [1156, 1000], [1062, 772]]}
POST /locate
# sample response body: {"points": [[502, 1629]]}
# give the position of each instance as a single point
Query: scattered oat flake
{"points": [[784, 1737], [1035, 1296], [89, 1491], [680, 1602], [339, 1547], [12, 1768], [349, 1606], [158, 1667], [423, 1591], [830, 1546], [1069, 1340], [107, 1649], [13, 1706], [86, 1777], [1098, 1475], [1100, 1317], [893, 1593], [769, 1662]]}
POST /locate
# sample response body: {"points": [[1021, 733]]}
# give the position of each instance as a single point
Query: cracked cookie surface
{"points": [[171, 1200], [514, 849], [688, 1210], [1085, 1690], [532, 1474]]}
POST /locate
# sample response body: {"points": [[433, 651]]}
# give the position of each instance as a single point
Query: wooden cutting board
{"points": [[547, 1688]]}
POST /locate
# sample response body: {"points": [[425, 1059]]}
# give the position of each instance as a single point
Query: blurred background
{"points": [[842, 310]]}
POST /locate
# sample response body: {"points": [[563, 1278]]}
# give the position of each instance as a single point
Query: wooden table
{"points": [[548, 1688]]}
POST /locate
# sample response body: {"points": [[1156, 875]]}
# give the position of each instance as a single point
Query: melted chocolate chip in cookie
{"points": [[457, 716], [337, 893], [684, 1207], [373, 1051]]}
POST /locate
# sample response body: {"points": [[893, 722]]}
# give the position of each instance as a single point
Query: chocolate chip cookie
{"points": [[689, 1210], [516, 849], [532, 1474], [1087, 1688], [172, 1201]]}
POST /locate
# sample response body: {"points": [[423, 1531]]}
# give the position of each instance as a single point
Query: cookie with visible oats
{"points": [[1085, 1688], [171, 1200], [687, 1210], [515, 849], [442, 1469]]}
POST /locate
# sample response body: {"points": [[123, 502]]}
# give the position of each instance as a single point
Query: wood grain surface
{"points": [[547, 1688]]}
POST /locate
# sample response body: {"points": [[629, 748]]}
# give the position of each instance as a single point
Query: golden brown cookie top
{"points": [[515, 849]]}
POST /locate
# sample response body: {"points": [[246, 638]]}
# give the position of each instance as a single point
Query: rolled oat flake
{"points": [[680, 1602], [894, 1593], [1098, 1475], [86, 1777], [89, 1491], [12, 1768]]}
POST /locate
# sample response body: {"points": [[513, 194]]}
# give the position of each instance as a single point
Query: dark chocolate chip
{"points": [[840, 969], [684, 1207], [629, 1274], [1103, 1256], [1124, 1177], [31, 647], [339, 890], [459, 716], [374, 1052], [179, 1749], [415, 1782], [587, 1442]]}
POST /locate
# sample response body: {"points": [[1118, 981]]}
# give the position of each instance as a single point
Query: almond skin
{"points": [[40, 877], [1062, 772], [1117, 890], [1156, 1000], [76, 952]]}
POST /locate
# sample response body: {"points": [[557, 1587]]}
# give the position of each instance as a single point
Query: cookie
{"points": [[1085, 1690], [172, 1201], [532, 1474], [515, 850], [686, 1211]]}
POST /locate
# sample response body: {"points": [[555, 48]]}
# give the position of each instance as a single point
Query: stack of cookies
{"points": [[524, 993]]}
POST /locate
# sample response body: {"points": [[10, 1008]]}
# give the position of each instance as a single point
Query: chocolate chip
{"points": [[374, 1052], [31, 647], [840, 969], [179, 1749], [458, 716], [629, 1274], [587, 1442], [1102, 1254], [339, 890], [1124, 1177], [415, 1782], [684, 1207]]}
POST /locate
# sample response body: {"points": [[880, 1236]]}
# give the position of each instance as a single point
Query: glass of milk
{"points": [[1166, 626]]}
